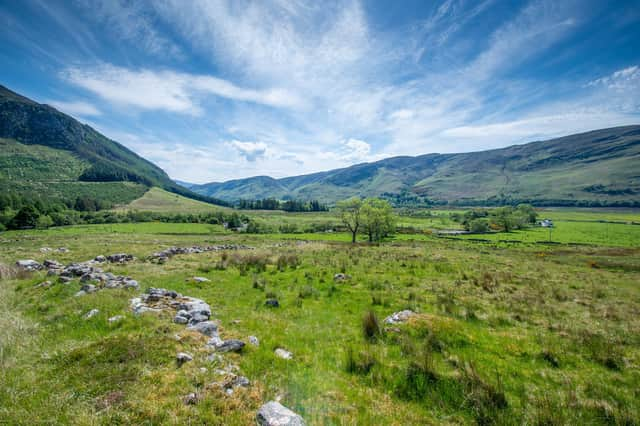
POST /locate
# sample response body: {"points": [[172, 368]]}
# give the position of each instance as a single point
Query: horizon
{"points": [[218, 91]]}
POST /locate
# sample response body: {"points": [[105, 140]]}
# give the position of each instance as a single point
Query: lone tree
{"points": [[350, 211], [377, 218]]}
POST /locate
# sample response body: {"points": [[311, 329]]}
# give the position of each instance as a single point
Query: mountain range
{"points": [[600, 167]]}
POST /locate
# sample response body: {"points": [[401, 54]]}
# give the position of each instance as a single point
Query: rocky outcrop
{"points": [[399, 317], [29, 265]]}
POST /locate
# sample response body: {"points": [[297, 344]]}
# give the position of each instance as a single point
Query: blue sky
{"points": [[216, 90]]}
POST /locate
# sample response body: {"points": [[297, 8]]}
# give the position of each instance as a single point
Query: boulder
{"points": [[231, 345], [272, 303], [341, 277], [208, 328], [29, 265], [92, 313], [100, 259], [399, 317], [283, 353], [183, 357], [275, 414], [119, 257]]}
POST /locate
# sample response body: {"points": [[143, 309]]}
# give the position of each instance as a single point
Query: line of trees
{"points": [[504, 219], [288, 205], [373, 217]]}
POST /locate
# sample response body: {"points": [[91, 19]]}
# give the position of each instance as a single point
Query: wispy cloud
{"points": [[251, 151], [78, 108], [168, 90]]}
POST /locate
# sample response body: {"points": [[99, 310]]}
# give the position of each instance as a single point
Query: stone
{"points": [[208, 328], [275, 414], [92, 313], [399, 317], [341, 277], [231, 345], [180, 319], [119, 257], [45, 249], [116, 318], [63, 250], [201, 279], [64, 279], [272, 303], [52, 264], [88, 288], [29, 265], [44, 284], [283, 353], [183, 357], [253, 340], [100, 259], [190, 399]]}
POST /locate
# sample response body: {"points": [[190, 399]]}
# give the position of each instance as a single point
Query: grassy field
{"points": [[504, 333], [159, 200]]}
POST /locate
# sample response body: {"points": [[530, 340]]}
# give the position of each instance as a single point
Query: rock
{"points": [[191, 399], [100, 259], [283, 353], [29, 265], [63, 250], [341, 277], [63, 279], [53, 264], [254, 341], [129, 283], [88, 288], [180, 319], [201, 279], [92, 313], [44, 284], [52, 272], [45, 249], [399, 317], [272, 303], [232, 345], [119, 257], [208, 328], [275, 414], [116, 318], [183, 357], [80, 293], [240, 381]]}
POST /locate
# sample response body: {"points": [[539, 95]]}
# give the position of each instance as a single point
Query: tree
{"points": [[27, 217], [350, 215], [377, 218]]}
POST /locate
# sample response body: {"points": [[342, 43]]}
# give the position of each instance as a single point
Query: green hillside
{"points": [[161, 201], [85, 161], [594, 168]]}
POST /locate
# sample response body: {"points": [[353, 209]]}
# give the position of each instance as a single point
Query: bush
{"points": [[361, 363], [44, 222], [479, 226]]}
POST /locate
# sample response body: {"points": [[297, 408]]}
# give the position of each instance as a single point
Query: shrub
{"points": [[361, 363], [483, 398]]}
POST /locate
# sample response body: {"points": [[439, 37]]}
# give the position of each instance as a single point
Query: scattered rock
{"points": [[272, 303], [164, 255], [52, 264], [399, 317], [254, 341], [100, 259], [201, 279], [116, 318], [208, 328], [45, 249], [283, 353], [231, 345], [29, 265], [65, 280], [180, 319], [62, 250], [44, 284], [183, 357], [92, 313], [120, 258], [275, 414], [191, 399], [341, 277]]}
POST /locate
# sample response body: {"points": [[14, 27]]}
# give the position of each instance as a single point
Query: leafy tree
{"points": [[479, 225], [377, 218], [350, 215], [44, 222], [27, 217]]}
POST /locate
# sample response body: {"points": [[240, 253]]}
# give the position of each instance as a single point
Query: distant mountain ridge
{"points": [[31, 134], [600, 167]]}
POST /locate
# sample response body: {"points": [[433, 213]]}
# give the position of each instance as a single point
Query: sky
{"points": [[217, 90]]}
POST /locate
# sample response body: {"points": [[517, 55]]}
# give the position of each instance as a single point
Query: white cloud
{"points": [[168, 90], [79, 108], [357, 150], [251, 151], [627, 78]]}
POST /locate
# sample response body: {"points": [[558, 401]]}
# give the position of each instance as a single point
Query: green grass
{"points": [[159, 200], [506, 334]]}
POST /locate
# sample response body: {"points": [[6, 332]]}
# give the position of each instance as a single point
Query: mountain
{"points": [[600, 167], [50, 155]]}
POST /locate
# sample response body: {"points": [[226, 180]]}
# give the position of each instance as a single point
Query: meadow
{"points": [[505, 331]]}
